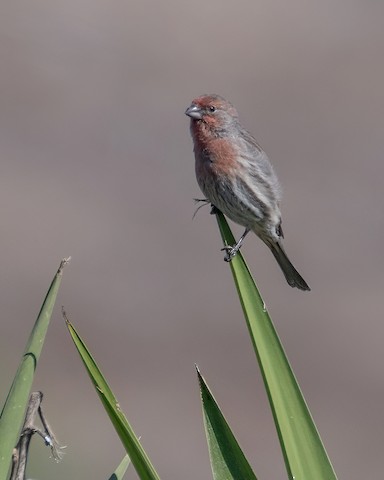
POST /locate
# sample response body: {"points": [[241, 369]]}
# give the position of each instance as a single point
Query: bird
{"points": [[237, 178]]}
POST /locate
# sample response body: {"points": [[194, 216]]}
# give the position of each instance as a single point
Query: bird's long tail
{"points": [[292, 276]]}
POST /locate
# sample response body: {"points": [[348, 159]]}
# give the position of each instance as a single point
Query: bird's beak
{"points": [[194, 112]]}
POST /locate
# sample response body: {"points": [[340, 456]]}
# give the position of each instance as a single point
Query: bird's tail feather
{"points": [[292, 276]]}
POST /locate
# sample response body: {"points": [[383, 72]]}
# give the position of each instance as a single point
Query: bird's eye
{"points": [[212, 108]]}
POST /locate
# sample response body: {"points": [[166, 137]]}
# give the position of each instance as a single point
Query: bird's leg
{"points": [[214, 210], [232, 251]]}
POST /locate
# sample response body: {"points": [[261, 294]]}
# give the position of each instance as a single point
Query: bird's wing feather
{"points": [[258, 164]]}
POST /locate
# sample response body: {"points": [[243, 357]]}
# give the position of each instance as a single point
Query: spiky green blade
{"points": [[119, 473], [227, 459], [139, 458], [13, 413], [304, 454]]}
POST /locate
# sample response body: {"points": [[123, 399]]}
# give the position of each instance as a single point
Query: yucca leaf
{"points": [[119, 473], [304, 454], [139, 458], [227, 459], [13, 413]]}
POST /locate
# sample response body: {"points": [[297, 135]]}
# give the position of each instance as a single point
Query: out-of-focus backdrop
{"points": [[97, 163]]}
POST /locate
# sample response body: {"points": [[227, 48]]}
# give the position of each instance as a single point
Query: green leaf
{"points": [[304, 454], [139, 458], [119, 473], [227, 459], [13, 413]]}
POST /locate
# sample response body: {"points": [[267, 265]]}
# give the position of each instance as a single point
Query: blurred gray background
{"points": [[97, 163]]}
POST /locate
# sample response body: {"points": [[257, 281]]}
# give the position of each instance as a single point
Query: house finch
{"points": [[235, 175]]}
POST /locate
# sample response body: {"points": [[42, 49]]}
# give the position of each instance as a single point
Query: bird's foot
{"points": [[230, 252], [214, 210]]}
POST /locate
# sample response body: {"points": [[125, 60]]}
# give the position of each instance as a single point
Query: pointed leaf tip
{"points": [[63, 263]]}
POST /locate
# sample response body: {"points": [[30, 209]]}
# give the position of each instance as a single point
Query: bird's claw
{"points": [[230, 252], [214, 210]]}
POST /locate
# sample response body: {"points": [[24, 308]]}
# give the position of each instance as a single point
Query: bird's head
{"points": [[214, 112]]}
